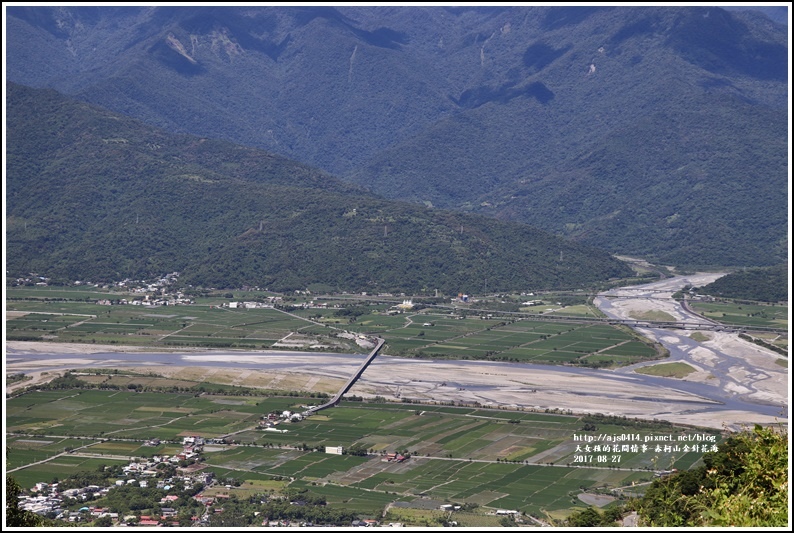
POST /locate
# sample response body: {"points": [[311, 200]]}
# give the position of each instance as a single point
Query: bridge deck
{"points": [[335, 400]]}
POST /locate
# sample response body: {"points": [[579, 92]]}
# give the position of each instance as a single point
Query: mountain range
{"points": [[95, 195], [656, 131]]}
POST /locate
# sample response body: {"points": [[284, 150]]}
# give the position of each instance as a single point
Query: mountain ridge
{"points": [[115, 198], [467, 108]]}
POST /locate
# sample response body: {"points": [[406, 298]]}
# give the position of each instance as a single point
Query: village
{"points": [[183, 479], [177, 475]]}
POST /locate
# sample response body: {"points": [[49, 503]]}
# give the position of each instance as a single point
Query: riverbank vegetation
{"points": [[667, 370]]}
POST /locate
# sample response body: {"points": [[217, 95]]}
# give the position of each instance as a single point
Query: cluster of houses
{"points": [[271, 302], [47, 498], [152, 294], [393, 458], [146, 289], [271, 420], [191, 451], [174, 299], [154, 286], [34, 279]]}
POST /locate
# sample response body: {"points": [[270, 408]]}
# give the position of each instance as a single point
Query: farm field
{"points": [[748, 314], [68, 315], [29, 450], [517, 341], [743, 314], [61, 468], [532, 462], [135, 415], [158, 326], [490, 457], [430, 517]]}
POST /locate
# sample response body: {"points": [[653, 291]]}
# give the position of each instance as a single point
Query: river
{"points": [[733, 376]]}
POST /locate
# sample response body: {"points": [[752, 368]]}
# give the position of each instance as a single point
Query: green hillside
{"points": [[742, 484], [95, 195], [769, 284], [719, 200], [655, 131]]}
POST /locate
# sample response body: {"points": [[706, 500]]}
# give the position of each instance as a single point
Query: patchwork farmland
{"points": [[485, 458], [67, 316]]}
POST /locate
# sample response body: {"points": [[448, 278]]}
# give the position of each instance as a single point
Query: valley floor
{"points": [[489, 384], [735, 383]]}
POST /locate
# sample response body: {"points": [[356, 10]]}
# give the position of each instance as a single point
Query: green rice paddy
{"points": [[494, 458], [525, 461], [66, 315], [744, 314]]}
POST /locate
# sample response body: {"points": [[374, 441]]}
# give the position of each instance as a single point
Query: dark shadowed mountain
{"points": [[655, 131], [96, 195]]}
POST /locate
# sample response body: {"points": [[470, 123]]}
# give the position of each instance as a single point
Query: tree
{"points": [[16, 517], [743, 484], [103, 521], [589, 517], [506, 521]]}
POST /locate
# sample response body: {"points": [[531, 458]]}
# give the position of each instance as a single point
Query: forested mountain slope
{"points": [[95, 195], [767, 284], [658, 131]]}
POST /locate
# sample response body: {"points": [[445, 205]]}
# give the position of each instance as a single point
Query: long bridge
{"points": [[335, 400]]}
